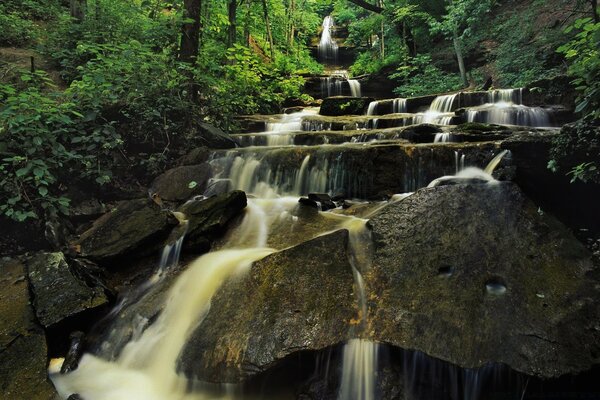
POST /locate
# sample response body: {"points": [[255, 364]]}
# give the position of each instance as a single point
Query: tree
{"points": [[456, 24], [190, 36]]}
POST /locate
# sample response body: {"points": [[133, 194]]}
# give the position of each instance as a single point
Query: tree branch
{"points": [[368, 6]]}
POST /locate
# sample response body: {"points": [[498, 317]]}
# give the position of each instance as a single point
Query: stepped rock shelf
{"points": [[407, 287]]}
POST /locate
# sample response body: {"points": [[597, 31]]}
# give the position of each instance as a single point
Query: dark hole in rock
{"points": [[445, 271], [495, 286]]}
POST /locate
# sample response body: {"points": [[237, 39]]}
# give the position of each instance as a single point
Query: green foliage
{"points": [[36, 132], [15, 29], [583, 55], [576, 151], [420, 77], [246, 85], [534, 59]]}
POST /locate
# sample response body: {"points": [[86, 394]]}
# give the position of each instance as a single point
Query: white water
{"points": [[278, 132], [145, 370], [399, 106], [359, 371], [335, 85], [328, 48], [505, 107], [440, 112]]}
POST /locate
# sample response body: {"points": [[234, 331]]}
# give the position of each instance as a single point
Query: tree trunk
{"points": [[459, 56], [594, 4], [268, 26], [78, 8], [190, 35], [382, 41], [232, 10], [247, 23]]}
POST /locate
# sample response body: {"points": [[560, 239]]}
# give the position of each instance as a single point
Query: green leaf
{"points": [[43, 191], [192, 184], [22, 172]]}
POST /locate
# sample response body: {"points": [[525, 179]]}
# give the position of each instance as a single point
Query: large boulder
{"points": [[474, 274], [181, 183], [133, 229], [58, 293], [342, 105], [215, 138], [23, 349], [290, 301], [208, 219]]}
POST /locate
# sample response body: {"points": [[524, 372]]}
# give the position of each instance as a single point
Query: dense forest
{"points": [[116, 87]]}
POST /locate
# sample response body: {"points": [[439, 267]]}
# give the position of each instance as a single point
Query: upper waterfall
{"points": [[328, 48]]}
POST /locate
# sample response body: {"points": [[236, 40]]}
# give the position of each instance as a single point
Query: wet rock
{"points": [[197, 156], [257, 320], [214, 137], [135, 228], [321, 201], [181, 183], [86, 210], [22, 343], [57, 293], [209, 218], [422, 133], [75, 352], [341, 105], [473, 274]]}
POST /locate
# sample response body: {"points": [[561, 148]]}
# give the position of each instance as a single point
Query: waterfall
{"points": [[359, 370], [338, 83], [444, 104], [268, 173], [355, 90], [399, 106], [440, 112], [505, 107], [360, 356], [328, 48], [372, 109], [278, 132]]}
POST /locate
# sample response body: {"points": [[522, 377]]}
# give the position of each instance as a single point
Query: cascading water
{"points": [[399, 106], [328, 48], [338, 83], [505, 107], [440, 112]]}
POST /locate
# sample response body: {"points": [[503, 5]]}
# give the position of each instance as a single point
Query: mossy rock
{"points": [[341, 105]]}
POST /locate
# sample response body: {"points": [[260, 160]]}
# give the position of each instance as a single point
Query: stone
{"points": [[23, 348], [473, 274], [290, 301], [181, 183], [58, 294], [214, 137], [135, 228], [422, 133], [210, 218], [197, 156], [342, 105]]}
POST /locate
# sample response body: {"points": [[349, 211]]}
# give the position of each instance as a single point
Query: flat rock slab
{"points": [[473, 274], [298, 299], [58, 293], [134, 229], [22, 343]]}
